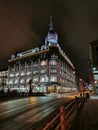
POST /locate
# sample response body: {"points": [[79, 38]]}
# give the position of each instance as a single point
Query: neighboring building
{"points": [[93, 63], [3, 79], [47, 66]]}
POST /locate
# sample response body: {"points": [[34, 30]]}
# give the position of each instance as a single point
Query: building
{"points": [[93, 63], [48, 67], [3, 79]]}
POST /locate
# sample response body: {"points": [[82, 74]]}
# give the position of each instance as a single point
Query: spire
{"points": [[51, 24], [52, 36]]}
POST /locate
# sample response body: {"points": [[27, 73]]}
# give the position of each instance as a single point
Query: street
{"points": [[26, 112]]}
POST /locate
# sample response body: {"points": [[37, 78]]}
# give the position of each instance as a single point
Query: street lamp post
{"points": [[47, 82], [30, 90], [81, 86], [95, 82]]}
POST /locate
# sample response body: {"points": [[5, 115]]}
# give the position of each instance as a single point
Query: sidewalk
{"points": [[87, 119]]}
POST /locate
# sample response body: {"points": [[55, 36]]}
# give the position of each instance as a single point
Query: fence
{"points": [[64, 119]]}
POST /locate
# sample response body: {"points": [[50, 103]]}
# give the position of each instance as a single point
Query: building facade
{"points": [[93, 63], [3, 79], [48, 67]]}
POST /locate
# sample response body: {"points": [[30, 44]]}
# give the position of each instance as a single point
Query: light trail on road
{"points": [[23, 113]]}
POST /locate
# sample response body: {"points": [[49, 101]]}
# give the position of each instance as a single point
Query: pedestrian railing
{"points": [[63, 120]]}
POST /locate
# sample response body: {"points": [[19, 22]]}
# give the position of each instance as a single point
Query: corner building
{"points": [[49, 68], [93, 64]]}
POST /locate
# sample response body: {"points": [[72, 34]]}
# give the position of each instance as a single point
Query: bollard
{"points": [[62, 118]]}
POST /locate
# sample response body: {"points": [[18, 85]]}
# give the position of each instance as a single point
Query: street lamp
{"points": [[47, 81], [95, 83], [31, 85]]}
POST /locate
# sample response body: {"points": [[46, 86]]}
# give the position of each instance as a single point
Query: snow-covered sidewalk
{"points": [[87, 119]]}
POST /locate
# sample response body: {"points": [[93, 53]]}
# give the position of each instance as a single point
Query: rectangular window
{"points": [[53, 62], [35, 79], [28, 72], [53, 70], [22, 73], [42, 71], [96, 77], [16, 81], [27, 80], [10, 81], [11, 75], [22, 81], [42, 79], [35, 71], [17, 74], [53, 78], [43, 63]]}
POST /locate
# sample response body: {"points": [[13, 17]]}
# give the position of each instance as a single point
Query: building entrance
{"points": [[53, 89]]}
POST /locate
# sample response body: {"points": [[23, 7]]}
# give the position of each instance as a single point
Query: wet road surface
{"points": [[21, 114]]}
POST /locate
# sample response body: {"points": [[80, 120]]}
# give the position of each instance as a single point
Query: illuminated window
{"points": [[96, 71], [43, 63], [96, 77], [28, 72], [10, 81], [17, 74], [22, 73], [28, 79], [42, 79], [22, 81], [16, 81], [53, 62], [35, 79], [11, 75], [35, 71], [94, 68], [53, 78], [53, 70], [43, 71]]}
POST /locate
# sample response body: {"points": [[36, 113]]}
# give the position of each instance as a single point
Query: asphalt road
{"points": [[23, 114]]}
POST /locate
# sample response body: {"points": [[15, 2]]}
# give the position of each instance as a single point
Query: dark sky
{"points": [[24, 25]]}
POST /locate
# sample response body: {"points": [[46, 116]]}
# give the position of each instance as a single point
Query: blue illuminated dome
{"points": [[52, 36]]}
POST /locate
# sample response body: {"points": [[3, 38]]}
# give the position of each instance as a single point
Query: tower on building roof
{"points": [[52, 37]]}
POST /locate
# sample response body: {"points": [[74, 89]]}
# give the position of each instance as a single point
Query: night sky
{"points": [[24, 25]]}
